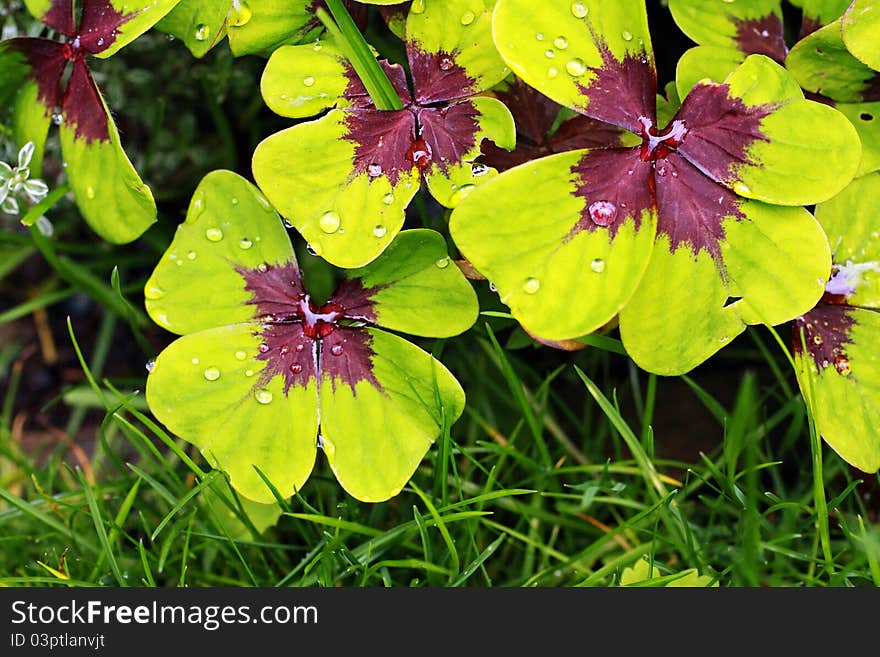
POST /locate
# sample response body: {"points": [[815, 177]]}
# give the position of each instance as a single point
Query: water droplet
{"points": [[388, 199], [240, 355], [552, 72], [627, 36], [380, 231], [241, 14], [150, 365], [300, 347], [549, 54], [336, 350], [531, 286], [479, 169], [741, 188], [313, 250], [539, 36], [578, 10], [263, 268], [234, 201], [560, 42], [462, 193], [195, 361], [576, 67], [446, 63], [317, 47], [467, 18], [212, 374], [329, 222], [442, 263], [154, 292], [296, 368], [248, 373], [603, 213], [90, 192], [263, 396], [214, 234], [374, 170], [202, 32], [57, 119], [841, 364], [309, 81], [245, 243], [597, 265], [263, 348], [418, 7]]}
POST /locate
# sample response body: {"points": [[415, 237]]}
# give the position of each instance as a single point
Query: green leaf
{"points": [[776, 168], [705, 62], [31, 122], [113, 199], [228, 224], [851, 221], [643, 572], [375, 438], [202, 391], [861, 31], [865, 117], [348, 218], [519, 230], [817, 13], [200, 25], [771, 267], [418, 289], [566, 47], [822, 64], [140, 15]]}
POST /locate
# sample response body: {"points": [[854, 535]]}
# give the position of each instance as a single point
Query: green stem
{"points": [[349, 38]]}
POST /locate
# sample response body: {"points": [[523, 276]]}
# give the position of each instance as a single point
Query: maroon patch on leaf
{"points": [[356, 93], [826, 334], [382, 141], [82, 106], [356, 299], [809, 24], [720, 130], [534, 116], [437, 77], [691, 207], [622, 91], [450, 132], [615, 184], [871, 89], [346, 357], [47, 61], [762, 36], [297, 334], [60, 17], [99, 25]]}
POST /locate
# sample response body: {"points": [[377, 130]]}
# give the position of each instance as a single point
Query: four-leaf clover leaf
{"points": [[691, 235], [356, 168], [265, 374]]}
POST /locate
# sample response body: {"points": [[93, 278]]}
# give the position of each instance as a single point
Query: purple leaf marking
{"points": [[82, 106], [301, 340], [826, 331], [437, 77], [382, 141], [762, 36]]}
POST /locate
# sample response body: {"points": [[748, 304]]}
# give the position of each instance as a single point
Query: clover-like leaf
{"points": [[642, 572], [835, 343], [861, 31], [263, 369], [866, 119], [579, 229], [748, 26], [368, 163], [108, 191], [816, 13], [823, 64]]}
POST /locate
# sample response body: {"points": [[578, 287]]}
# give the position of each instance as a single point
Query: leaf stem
{"points": [[349, 38]]}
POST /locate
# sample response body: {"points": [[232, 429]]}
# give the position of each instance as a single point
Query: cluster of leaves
{"points": [[591, 201]]}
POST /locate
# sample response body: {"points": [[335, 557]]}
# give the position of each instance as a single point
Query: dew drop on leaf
{"points": [[418, 7], [150, 365], [214, 234], [841, 364], [195, 361], [552, 72], [442, 263], [479, 169], [375, 170], [597, 265], [202, 32], [539, 36], [296, 368], [90, 192], [578, 10], [741, 188], [446, 63], [531, 286], [241, 13], [388, 199], [576, 67], [245, 243], [212, 374], [560, 42], [549, 54], [154, 292], [329, 222], [249, 373], [57, 119], [240, 355], [313, 250], [263, 396], [263, 348], [627, 36], [603, 213], [309, 81], [467, 18], [336, 350], [379, 231]]}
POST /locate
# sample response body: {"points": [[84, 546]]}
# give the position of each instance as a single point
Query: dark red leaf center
{"points": [[657, 145]]}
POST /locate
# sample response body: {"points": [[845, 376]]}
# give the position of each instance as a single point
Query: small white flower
{"points": [[17, 181]]}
